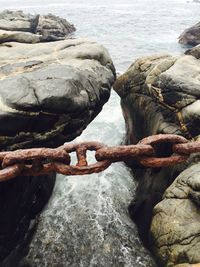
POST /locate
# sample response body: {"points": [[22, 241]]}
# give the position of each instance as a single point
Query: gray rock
{"points": [[191, 36], [160, 94], [195, 52], [18, 21], [15, 26], [175, 227], [17, 36], [49, 92], [53, 28]]}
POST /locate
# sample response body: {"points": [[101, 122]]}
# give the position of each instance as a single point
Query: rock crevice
{"points": [[160, 94]]}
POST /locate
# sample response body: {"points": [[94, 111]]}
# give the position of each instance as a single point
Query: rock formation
{"points": [[191, 36], [161, 94], [15, 26], [195, 52], [49, 92]]}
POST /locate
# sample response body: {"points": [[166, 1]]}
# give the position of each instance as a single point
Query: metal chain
{"points": [[174, 149]]}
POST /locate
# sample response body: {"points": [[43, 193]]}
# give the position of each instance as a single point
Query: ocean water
{"points": [[129, 29]]}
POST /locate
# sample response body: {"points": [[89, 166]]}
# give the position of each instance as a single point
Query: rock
{"points": [[15, 26], [191, 36], [61, 87], [53, 28], [175, 228], [49, 92], [195, 52], [160, 94], [17, 36], [18, 21], [22, 199]]}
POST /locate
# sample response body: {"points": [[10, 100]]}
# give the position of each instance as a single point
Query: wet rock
{"points": [[49, 92], [160, 94], [175, 227], [15, 26], [195, 52], [191, 36], [21, 201]]}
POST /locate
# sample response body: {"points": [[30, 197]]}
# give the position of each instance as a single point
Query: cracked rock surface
{"points": [[49, 92], [15, 26], [161, 94], [175, 228], [191, 36]]}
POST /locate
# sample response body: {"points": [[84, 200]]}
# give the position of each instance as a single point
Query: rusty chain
{"points": [[155, 151]]}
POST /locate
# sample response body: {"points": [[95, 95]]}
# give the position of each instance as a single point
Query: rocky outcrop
{"points": [[15, 26], [49, 92], [21, 201], [160, 94], [175, 227], [195, 52], [191, 36]]}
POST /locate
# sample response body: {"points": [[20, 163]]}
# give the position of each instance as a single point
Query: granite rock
{"points": [[160, 95], [15, 26], [49, 92], [191, 36]]}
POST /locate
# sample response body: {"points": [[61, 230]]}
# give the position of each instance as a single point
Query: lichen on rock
{"points": [[160, 95]]}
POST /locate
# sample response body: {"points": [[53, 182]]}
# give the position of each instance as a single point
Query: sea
{"points": [[129, 29]]}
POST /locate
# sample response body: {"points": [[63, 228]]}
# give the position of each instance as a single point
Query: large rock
{"points": [[15, 26], [175, 228], [21, 201], [160, 94], [191, 36], [49, 92]]}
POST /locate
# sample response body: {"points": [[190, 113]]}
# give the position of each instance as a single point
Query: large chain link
{"points": [[175, 149]]}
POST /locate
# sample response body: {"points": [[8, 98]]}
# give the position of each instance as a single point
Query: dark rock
{"points": [[191, 36], [15, 26], [22, 199], [49, 92], [160, 94], [53, 28], [195, 52]]}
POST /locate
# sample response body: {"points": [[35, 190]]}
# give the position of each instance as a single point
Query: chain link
{"points": [[154, 151]]}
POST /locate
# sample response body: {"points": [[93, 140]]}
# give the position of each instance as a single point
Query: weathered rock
{"points": [[17, 36], [175, 228], [15, 26], [160, 94], [191, 36], [195, 52], [21, 201], [53, 28], [49, 92]]}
